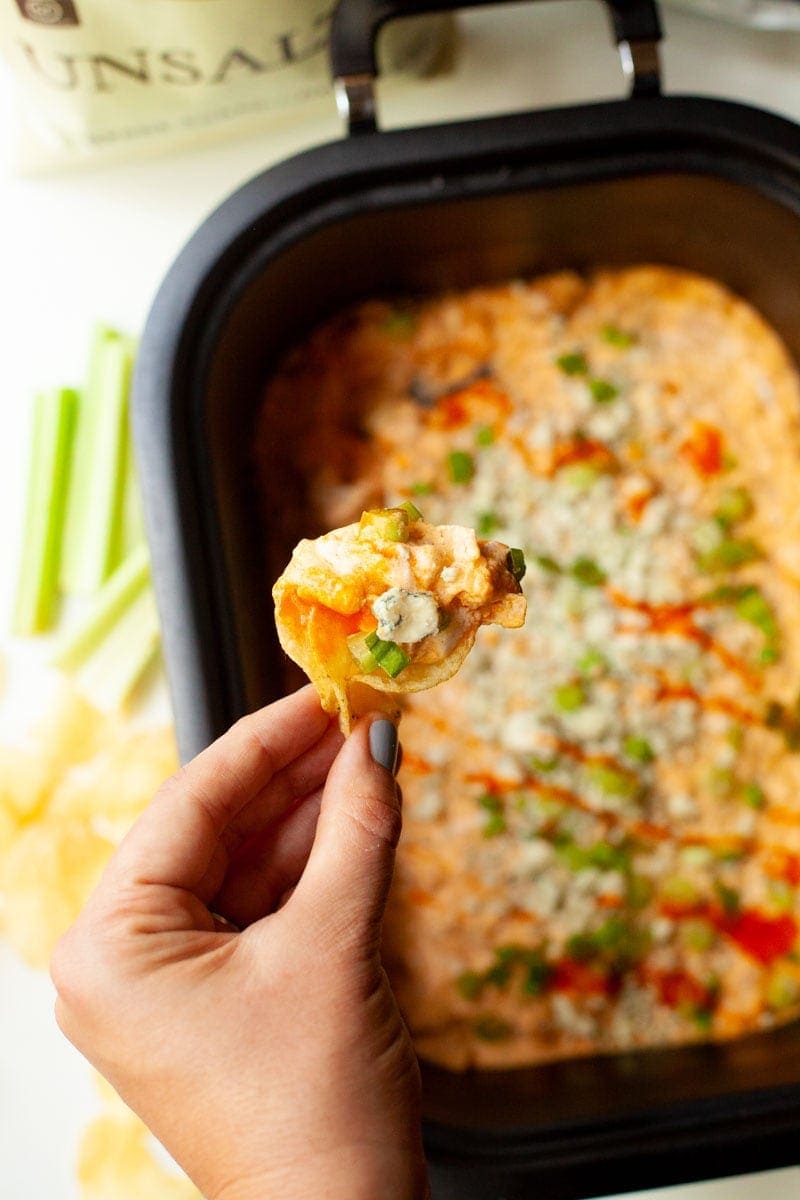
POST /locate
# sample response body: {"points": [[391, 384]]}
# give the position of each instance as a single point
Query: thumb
{"points": [[344, 886]]}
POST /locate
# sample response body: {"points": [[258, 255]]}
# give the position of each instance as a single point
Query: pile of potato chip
{"points": [[68, 793]]}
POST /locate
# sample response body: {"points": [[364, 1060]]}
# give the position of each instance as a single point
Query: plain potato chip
{"points": [[46, 875]]}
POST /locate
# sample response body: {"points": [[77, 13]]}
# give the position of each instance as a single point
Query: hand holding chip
{"points": [[226, 978]]}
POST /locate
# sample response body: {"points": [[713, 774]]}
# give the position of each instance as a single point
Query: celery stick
{"points": [[112, 672], [54, 416], [131, 524], [106, 608], [96, 497]]}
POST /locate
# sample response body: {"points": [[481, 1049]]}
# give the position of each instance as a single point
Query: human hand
{"points": [[270, 1060]]}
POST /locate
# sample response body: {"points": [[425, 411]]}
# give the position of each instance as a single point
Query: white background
{"points": [[94, 244]]}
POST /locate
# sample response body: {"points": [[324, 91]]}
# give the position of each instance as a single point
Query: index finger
{"points": [[176, 837]]}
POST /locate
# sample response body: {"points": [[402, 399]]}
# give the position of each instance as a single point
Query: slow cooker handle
{"points": [[356, 23]]}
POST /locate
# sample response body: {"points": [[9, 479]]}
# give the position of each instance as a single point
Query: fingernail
{"points": [[383, 743]]}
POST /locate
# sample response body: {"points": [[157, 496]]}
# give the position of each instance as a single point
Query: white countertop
{"points": [[94, 244]]}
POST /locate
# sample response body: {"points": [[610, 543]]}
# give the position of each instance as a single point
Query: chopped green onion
{"points": [[96, 499], [37, 588], [728, 898], [462, 466], [602, 855], [499, 974], [617, 337], [114, 597], [515, 562], [616, 942], [602, 391], [638, 749], [703, 1018], [729, 553], [580, 476], [612, 782], [544, 765], [484, 436], [366, 660], [569, 697], [592, 663], [470, 985], [389, 656], [751, 606], [573, 364], [488, 523], [411, 510], [586, 571], [421, 488], [390, 524], [495, 825], [492, 1029], [735, 504], [538, 973], [547, 564], [753, 795]]}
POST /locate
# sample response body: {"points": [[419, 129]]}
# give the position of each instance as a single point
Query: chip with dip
{"points": [[391, 604]]}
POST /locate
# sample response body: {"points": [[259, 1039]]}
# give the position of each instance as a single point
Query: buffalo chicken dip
{"points": [[602, 810]]}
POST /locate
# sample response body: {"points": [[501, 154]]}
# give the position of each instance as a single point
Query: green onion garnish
{"points": [[484, 435], [543, 765], [602, 391], [366, 660], [592, 662], [728, 898], [470, 985], [462, 466], [612, 782], [547, 564], [569, 697], [586, 571], [617, 337], [729, 553], [421, 488], [413, 512], [638, 749], [753, 795], [735, 504], [573, 364], [488, 523], [389, 656], [515, 563], [391, 524]]}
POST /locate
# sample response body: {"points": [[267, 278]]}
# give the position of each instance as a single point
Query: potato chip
{"points": [[113, 788], [391, 605], [46, 874]]}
